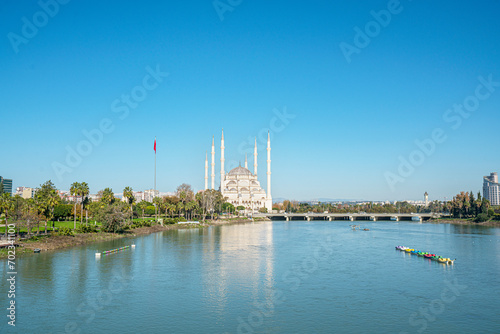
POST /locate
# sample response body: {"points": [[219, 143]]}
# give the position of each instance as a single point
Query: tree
{"points": [[150, 210], [479, 201], [61, 211], [74, 190], [485, 205], [1, 189], [158, 204], [129, 195], [108, 197], [142, 206], [228, 207], [6, 205], [207, 200], [83, 190], [52, 201], [30, 215], [112, 218], [46, 198]]}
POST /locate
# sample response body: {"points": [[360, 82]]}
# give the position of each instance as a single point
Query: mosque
{"points": [[240, 185]]}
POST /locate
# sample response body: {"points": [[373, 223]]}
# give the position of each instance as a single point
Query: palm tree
{"points": [[52, 201], [158, 203], [142, 206], [74, 190], [180, 207], [6, 205], [107, 196], [169, 207], [83, 190], [129, 195]]}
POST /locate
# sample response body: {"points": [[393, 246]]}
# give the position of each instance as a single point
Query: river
{"points": [[265, 277]]}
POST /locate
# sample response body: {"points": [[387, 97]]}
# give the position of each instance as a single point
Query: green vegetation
{"points": [[49, 212]]}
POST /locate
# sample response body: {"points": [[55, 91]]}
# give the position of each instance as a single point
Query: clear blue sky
{"points": [[353, 120]]}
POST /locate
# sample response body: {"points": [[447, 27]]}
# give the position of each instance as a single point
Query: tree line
{"points": [[113, 214], [463, 206]]}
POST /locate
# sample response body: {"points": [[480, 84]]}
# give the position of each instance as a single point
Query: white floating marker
{"points": [[97, 255], [133, 246]]}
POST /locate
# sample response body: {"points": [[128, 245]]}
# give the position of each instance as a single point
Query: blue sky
{"points": [[351, 120]]}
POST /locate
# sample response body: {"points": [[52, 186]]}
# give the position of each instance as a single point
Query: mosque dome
{"points": [[239, 171]]}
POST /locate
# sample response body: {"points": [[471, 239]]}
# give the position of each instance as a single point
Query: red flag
{"points": [[155, 145]]}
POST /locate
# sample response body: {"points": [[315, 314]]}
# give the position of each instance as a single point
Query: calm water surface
{"points": [[269, 277]]}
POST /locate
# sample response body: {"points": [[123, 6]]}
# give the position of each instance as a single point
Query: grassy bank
{"points": [[54, 241]]}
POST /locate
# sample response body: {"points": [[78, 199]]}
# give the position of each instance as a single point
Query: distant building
{"points": [[150, 194], [7, 185], [28, 193], [491, 189], [426, 199]]}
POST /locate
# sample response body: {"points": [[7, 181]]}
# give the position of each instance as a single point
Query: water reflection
{"points": [[472, 229], [243, 256]]}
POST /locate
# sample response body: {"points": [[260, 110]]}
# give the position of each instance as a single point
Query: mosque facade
{"points": [[240, 186]]}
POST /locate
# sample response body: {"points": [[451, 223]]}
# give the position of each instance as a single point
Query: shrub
{"points": [[491, 212], [65, 231], [482, 217], [141, 223]]}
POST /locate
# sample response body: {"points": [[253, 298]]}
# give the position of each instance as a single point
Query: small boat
{"points": [[429, 256], [422, 253], [36, 250], [445, 260], [409, 250], [366, 229]]}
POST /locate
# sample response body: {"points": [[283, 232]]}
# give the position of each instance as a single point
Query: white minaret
{"points": [[206, 170], [269, 200], [246, 161], [222, 173], [213, 164], [255, 158]]}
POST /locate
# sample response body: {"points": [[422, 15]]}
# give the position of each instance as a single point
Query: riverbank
{"points": [[53, 241], [490, 223]]}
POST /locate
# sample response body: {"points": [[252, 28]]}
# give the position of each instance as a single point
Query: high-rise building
{"points": [[7, 185], [491, 189]]}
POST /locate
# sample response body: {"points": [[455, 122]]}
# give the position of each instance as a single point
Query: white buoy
{"points": [[133, 246], [97, 254]]}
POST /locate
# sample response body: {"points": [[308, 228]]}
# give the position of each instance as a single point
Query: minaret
{"points": [[246, 161], [269, 200], [206, 170], [213, 164], [222, 173], [255, 158]]}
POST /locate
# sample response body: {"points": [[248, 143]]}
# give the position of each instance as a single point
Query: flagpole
{"points": [[156, 209]]}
